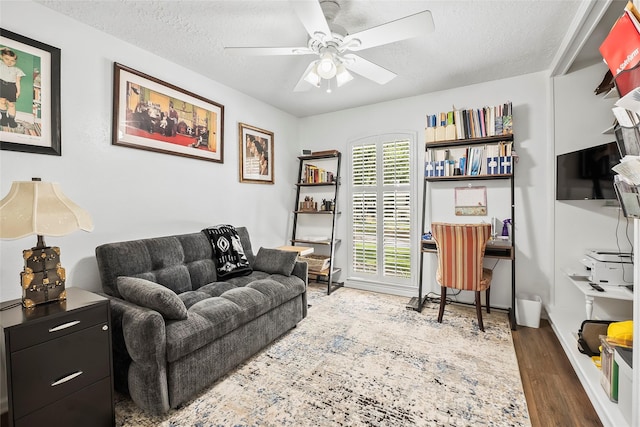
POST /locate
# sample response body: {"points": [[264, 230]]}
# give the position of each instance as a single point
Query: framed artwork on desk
{"points": [[471, 201]]}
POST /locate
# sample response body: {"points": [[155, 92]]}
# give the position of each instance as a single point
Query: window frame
{"points": [[378, 281]]}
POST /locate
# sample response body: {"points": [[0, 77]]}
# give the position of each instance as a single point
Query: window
{"points": [[381, 209]]}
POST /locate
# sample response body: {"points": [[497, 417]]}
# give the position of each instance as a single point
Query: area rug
{"points": [[363, 359]]}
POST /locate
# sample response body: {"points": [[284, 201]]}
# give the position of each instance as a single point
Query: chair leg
{"points": [[488, 302], [479, 311], [443, 299]]}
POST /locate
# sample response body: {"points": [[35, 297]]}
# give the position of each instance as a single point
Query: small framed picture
{"points": [[29, 95], [153, 115], [256, 154]]}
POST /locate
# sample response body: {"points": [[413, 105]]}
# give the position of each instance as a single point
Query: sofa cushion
{"points": [[275, 261], [152, 295], [213, 317], [228, 252]]}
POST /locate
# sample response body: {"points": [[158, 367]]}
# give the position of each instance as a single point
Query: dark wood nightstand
{"points": [[59, 369]]}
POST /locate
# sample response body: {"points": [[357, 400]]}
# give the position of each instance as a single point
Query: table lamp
{"points": [[37, 207]]}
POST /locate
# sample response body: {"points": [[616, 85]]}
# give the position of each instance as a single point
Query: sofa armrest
{"points": [[301, 270], [140, 365]]}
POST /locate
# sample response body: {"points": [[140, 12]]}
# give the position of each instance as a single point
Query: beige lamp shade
{"points": [[37, 207]]}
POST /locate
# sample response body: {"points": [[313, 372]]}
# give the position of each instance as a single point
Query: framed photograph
{"points": [[153, 115], [29, 95], [471, 201], [256, 154]]}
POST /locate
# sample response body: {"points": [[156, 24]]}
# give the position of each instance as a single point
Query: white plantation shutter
{"points": [[381, 209], [365, 240], [396, 208], [364, 209]]}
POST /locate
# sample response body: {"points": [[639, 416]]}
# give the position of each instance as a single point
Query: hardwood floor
{"points": [[555, 396]]}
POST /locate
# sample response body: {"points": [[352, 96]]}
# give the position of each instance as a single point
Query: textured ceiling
{"points": [[473, 41]]}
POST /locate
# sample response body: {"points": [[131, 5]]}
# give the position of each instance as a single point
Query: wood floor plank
{"points": [[555, 396]]}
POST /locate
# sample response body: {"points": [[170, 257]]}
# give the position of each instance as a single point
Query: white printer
{"points": [[609, 267]]}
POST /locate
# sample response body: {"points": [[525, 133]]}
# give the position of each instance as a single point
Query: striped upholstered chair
{"points": [[460, 254]]}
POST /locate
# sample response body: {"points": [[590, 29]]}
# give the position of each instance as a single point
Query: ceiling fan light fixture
{"points": [[312, 76], [326, 66], [342, 75]]}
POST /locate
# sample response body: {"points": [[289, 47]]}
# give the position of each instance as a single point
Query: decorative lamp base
{"points": [[43, 277]]}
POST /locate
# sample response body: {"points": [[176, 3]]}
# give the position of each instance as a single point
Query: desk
{"points": [[498, 249], [501, 249], [610, 291], [301, 250]]}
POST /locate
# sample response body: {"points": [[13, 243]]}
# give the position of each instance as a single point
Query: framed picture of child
{"points": [[256, 154], [153, 115], [29, 95]]}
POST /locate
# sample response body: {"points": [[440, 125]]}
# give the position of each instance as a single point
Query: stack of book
{"points": [[314, 175], [487, 159], [467, 124]]}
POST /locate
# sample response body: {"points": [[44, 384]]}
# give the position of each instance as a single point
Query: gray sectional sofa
{"points": [[177, 328]]}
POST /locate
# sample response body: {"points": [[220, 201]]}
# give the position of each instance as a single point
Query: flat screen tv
{"points": [[586, 174]]}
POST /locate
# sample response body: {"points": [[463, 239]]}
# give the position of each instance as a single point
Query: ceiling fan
{"points": [[332, 44]]}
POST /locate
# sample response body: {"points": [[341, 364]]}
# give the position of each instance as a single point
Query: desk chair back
{"points": [[461, 250]]}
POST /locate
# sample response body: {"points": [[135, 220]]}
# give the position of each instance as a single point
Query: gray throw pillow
{"points": [[275, 261], [152, 295]]}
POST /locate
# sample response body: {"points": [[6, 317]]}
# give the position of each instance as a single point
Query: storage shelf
{"points": [[316, 184], [565, 325], [507, 253], [316, 212], [316, 242], [331, 155], [329, 170], [467, 177], [469, 141], [324, 273]]}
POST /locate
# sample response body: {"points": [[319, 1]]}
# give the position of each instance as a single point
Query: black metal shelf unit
{"points": [[508, 253], [309, 180]]}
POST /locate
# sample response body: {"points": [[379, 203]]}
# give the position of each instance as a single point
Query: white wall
{"points": [[133, 193], [529, 95]]}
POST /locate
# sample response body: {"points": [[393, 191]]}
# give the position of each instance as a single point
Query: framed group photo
{"points": [[256, 154], [29, 95], [153, 115]]}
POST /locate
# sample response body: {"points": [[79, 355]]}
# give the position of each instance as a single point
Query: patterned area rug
{"points": [[363, 359]]}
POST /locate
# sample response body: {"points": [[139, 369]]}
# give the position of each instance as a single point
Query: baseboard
{"points": [[404, 291]]}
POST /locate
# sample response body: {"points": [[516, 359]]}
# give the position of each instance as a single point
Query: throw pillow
{"points": [[228, 253], [275, 261], [152, 295]]}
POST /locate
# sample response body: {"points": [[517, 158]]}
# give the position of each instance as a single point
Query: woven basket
{"points": [[316, 262]]}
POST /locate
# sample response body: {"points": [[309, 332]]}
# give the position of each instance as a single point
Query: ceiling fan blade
{"points": [[368, 69], [401, 29], [303, 85], [310, 14], [265, 51]]}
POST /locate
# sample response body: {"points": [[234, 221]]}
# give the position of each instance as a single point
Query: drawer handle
{"points": [[67, 378], [64, 326]]}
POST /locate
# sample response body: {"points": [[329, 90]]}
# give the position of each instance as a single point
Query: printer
{"points": [[608, 267]]}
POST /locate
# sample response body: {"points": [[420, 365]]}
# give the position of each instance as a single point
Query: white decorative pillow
{"points": [[152, 295]]}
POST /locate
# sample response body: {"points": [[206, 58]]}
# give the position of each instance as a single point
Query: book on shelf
{"points": [[484, 159], [469, 123], [314, 175], [621, 48]]}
